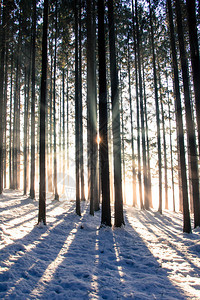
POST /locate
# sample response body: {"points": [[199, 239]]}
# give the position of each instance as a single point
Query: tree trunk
{"points": [[157, 112], [138, 112], [103, 119], [195, 58], [146, 202], [42, 191], [56, 196], [32, 179], [171, 149], [119, 218], [80, 104], [149, 189], [77, 115], [132, 136], [192, 149], [164, 145], [10, 125], [186, 214]]}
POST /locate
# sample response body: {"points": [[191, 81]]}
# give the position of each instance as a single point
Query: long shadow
{"points": [[49, 208], [163, 226], [76, 260], [18, 263], [114, 264], [73, 276], [142, 273]]}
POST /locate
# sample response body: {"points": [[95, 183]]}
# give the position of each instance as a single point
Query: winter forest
{"points": [[99, 149]]}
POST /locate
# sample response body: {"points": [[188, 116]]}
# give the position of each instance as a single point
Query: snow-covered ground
{"points": [[71, 258]]}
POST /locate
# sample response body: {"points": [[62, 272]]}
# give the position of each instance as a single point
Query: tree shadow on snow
{"points": [[23, 262]]}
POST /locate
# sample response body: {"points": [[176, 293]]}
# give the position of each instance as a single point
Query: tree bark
{"points": [[119, 218], [42, 190], [192, 148], [186, 214], [103, 119]]}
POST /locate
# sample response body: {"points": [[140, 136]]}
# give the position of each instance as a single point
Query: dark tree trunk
{"points": [[26, 127], [63, 127], [2, 63], [186, 213], [42, 190], [103, 119], [5, 116], [82, 185], [77, 115], [119, 218], [32, 179], [92, 108], [50, 171], [157, 112], [123, 146], [56, 196], [195, 58], [192, 148], [10, 125]]}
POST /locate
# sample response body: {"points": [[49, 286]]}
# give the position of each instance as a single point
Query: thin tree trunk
{"points": [[171, 148], [138, 113], [77, 115], [164, 145], [149, 189], [132, 136], [80, 104], [5, 116], [63, 127], [2, 58], [32, 179], [122, 138], [56, 196], [157, 112], [10, 125], [146, 202]]}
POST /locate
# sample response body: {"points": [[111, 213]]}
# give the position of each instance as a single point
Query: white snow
{"points": [[71, 258]]}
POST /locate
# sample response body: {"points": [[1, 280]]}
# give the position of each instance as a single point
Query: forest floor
{"points": [[71, 258]]}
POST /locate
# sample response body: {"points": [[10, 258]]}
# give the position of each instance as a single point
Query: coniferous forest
{"points": [[100, 107]]}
